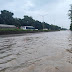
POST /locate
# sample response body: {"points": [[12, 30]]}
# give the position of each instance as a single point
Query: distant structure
{"points": [[5, 26], [27, 27]]}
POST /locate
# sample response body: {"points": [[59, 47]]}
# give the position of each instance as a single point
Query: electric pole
{"points": [[43, 19]]}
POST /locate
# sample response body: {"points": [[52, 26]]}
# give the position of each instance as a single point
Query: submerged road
{"points": [[36, 52]]}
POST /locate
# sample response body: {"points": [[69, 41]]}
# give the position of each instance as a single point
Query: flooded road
{"points": [[36, 52]]}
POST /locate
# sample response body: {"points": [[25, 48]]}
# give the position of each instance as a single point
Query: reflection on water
{"points": [[42, 52]]}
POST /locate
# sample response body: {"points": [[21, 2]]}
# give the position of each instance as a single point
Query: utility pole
{"points": [[43, 19], [43, 22]]}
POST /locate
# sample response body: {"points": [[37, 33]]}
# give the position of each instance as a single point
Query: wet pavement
{"points": [[36, 52]]}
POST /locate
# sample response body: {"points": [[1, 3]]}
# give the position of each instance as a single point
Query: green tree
{"points": [[17, 22], [27, 21], [6, 17], [70, 17], [38, 25]]}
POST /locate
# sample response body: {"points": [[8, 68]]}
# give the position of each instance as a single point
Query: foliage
{"points": [[6, 17], [70, 17], [71, 27]]}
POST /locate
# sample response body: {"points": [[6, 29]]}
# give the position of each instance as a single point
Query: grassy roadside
{"points": [[13, 31], [19, 31]]}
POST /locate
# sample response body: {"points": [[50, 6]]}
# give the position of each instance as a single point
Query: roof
{"points": [[5, 25]]}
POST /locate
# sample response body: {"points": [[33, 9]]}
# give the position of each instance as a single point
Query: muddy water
{"points": [[39, 52]]}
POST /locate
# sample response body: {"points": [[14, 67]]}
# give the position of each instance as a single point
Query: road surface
{"points": [[36, 52]]}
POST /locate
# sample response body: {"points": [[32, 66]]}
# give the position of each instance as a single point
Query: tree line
{"points": [[6, 17]]}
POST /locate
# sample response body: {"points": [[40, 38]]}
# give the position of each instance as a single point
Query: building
{"points": [[27, 27], [5, 26]]}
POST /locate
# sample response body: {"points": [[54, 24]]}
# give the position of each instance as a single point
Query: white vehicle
{"points": [[27, 27]]}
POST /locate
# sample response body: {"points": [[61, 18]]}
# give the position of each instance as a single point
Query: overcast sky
{"points": [[54, 11]]}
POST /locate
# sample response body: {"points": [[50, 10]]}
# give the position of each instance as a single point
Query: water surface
{"points": [[36, 52]]}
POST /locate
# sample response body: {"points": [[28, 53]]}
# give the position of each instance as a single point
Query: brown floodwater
{"points": [[36, 52]]}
